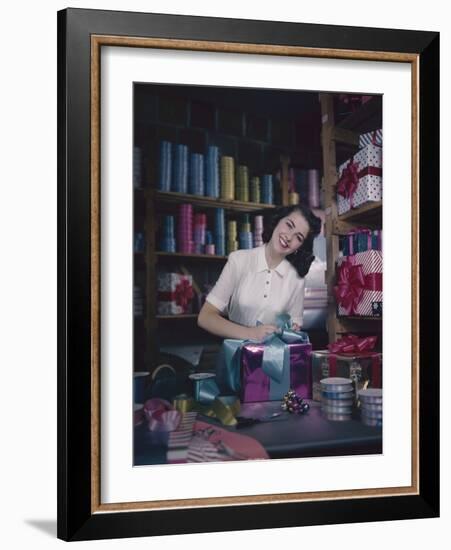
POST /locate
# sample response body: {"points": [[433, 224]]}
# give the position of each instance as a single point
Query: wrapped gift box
{"points": [[365, 369], [174, 293], [360, 179], [374, 137], [245, 375], [360, 240], [359, 284]]}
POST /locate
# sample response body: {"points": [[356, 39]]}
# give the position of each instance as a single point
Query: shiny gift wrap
{"points": [[266, 370]]}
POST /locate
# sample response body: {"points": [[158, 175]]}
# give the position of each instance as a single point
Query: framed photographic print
{"points": [[248, 317]]}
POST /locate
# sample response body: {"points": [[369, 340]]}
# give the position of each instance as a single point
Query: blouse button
{"points": [[265, 296], [267, 282], [269, 271]]}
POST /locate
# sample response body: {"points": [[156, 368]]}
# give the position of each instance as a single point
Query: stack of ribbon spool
{"points": [[209, 244], [232, 243], [180, 172], [337, 398], [200, 228], [212, 172], [196, 174], [227, 178], [164, 180], [220, 231], [185, 228], [293, 197], [371, 406], [167, 242], [246, 240], [242, 183], [255, 189], [258, 230], [267, 195]]}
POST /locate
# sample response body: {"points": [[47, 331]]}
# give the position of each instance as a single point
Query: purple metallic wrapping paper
{"points": [[255, 384]]}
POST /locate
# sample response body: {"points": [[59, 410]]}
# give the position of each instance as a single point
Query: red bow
{"points": [[353, 344], [183, 293], [351, 284], [349, 180]]}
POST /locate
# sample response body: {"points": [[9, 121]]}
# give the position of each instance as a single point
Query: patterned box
{"points": [[364, 369], [359, 284], [174, 293], [374, 137], [360, 179]]}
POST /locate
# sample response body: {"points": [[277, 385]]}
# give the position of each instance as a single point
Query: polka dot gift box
{"points": [[360, 179]]}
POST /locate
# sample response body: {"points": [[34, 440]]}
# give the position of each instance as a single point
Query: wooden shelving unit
{"points": [[347, 131]]}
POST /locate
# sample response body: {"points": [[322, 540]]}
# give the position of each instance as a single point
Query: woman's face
{"points": [[290, 233]]}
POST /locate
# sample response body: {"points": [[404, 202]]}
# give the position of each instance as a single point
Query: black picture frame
{"points": [[78, 516]]}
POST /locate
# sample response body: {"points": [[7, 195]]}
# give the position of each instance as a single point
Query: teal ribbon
{"points": [[205, 391], [276, 357]]}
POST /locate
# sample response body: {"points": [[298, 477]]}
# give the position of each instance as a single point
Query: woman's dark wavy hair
{"points": [[303, 258]]}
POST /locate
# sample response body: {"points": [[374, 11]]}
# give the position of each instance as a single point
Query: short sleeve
{"points": [[296, 304], [221, 293]]}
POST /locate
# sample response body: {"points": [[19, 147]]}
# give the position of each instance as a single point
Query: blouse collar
{"points": [[262, 265]]}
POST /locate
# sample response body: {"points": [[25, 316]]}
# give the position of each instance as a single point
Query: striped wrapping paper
{"points": [[371, 262], [179, 439], [374, 137]]}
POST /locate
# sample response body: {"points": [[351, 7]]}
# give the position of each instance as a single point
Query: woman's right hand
{"points": [[261, 331]]}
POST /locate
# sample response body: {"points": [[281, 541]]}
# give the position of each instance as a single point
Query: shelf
{"points": [[368, 214], [208, 202], [191, 256], [365, 118], [184, 316], [359, 318]]}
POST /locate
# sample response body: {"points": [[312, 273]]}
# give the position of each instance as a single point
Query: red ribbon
{"points": [[182, 294], [351, 282], [350, 343], [349, 180]]}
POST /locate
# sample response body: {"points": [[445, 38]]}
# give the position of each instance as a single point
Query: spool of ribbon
{"points": [[351, 283], [276, 357]]}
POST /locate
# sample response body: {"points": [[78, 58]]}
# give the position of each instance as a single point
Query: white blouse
{"points": [[248, 291]]}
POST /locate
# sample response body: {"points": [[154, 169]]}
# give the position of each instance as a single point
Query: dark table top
{"points": [[288, 436]]}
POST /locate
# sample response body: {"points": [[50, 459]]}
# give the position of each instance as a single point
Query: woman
{"points": [[258, 284]]}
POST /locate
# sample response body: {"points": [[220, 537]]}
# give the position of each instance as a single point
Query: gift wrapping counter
{"points": [[287, 436]]}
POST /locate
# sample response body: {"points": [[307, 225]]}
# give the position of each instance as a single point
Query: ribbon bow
{"points": [[276, 356], [349, 180], [350, 343], [183, 293], [349, 289]]}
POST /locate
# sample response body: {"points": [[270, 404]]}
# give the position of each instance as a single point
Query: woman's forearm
{"points": [[214, 323]]}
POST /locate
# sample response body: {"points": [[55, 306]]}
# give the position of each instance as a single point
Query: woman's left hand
{"points": [[296, 327]]}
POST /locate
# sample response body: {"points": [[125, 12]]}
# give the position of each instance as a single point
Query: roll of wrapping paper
{"points": [[227, 178], [255, 189], [293, 198], [267, 190], [242, 183], [313, 188], [180, 170], [196, 174]]}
